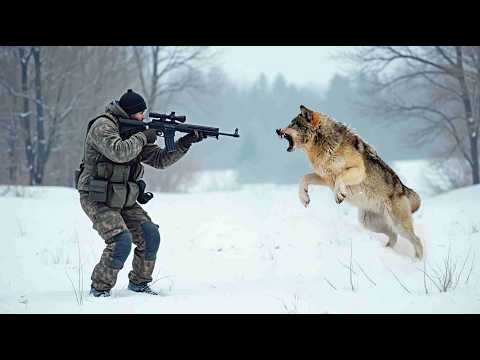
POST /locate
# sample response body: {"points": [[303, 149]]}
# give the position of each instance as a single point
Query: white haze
{"points": [[312, 66]]}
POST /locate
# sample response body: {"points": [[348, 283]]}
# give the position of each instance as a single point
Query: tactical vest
{"points": [[118, 185]]}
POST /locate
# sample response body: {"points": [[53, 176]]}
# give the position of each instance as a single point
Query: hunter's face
{"points": [[138, 116]]}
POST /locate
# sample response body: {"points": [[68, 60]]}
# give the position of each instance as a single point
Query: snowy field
{"points": [[246, 249]]}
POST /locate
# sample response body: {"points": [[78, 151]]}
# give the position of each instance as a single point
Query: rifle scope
{"points": [[170, 116]]}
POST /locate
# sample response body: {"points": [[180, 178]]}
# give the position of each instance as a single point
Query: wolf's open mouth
{"points": [[289, 138], [290, 142]]}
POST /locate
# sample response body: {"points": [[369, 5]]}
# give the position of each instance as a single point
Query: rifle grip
{"points": [[170, 142]]}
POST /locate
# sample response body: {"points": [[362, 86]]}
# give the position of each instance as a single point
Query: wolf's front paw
{"points": [[339, 197], [304, 198]]}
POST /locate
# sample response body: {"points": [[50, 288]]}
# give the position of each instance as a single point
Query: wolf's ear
{"points": [[306, 113]]}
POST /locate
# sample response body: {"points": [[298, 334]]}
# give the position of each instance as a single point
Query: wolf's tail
{"points": [[414, 199]]}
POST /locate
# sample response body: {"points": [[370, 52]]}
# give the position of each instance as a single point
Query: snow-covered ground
{"points": [[250, 250]]}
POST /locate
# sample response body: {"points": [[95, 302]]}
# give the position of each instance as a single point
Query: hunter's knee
{"points": [[121, 249], [152, 240]]}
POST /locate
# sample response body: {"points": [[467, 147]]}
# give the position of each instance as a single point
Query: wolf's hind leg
{"points": [[378, 224], [303, 187], [401, 217]]}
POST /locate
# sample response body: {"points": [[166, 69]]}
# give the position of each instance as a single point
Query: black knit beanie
{"points": [[132, 102]]}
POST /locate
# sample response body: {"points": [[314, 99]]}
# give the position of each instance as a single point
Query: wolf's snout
{"points": [[280, 132]]}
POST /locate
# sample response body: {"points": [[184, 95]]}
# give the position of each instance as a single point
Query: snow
{"points": [[215, 180], [243, 249]]}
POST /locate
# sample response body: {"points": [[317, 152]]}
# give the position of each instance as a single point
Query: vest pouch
{"points": [[133, 191], [97, 190], [117, 195], [120, 173], [104, 170]]}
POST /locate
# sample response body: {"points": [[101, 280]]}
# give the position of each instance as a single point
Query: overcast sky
{"points": [[301, 65]]}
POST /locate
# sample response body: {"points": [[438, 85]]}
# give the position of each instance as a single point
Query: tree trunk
{"points": [[41, 141], [12, 148], [154, 85], [474, 155], [24, 58]]}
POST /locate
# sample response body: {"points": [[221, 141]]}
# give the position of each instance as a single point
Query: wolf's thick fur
{"points": [[352, 169]]}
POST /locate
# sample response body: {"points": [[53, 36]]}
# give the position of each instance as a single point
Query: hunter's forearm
{"points": [[159, 158]]}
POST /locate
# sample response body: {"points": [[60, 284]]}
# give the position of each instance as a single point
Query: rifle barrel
{"points": [[233, 135]]}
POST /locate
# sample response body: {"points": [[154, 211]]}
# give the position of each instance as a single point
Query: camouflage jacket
{"points": [[103, 138]]}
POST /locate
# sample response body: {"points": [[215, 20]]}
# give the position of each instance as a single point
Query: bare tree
{"points": [[8, 120], [38, 139], [58, 89], [166, 70], [439, 85], [24, 57]]}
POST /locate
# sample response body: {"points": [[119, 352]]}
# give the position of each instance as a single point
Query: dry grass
{"points": [[447, 275]]}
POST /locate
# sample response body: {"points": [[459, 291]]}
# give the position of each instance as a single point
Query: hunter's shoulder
{"points": [[105, 123]]}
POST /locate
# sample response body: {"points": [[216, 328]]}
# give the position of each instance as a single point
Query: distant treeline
{"points": [[259, 155]]}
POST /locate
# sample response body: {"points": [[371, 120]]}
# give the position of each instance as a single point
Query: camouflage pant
{"points": [[109, 223]]}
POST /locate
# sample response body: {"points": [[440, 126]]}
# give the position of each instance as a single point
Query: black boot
{"points": [[142, 288], [99, 293]]}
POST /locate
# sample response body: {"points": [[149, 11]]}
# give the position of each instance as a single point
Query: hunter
{"points": [[110, 187]]}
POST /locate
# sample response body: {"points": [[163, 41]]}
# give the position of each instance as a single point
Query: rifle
{"points": [[166, 125]]}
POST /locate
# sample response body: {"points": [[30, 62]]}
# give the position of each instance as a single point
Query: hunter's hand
{"points": [[194, 137], [151, 135]]}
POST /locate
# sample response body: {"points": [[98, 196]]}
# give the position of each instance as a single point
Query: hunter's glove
{"points": [[151, 135], [191, 138]]}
